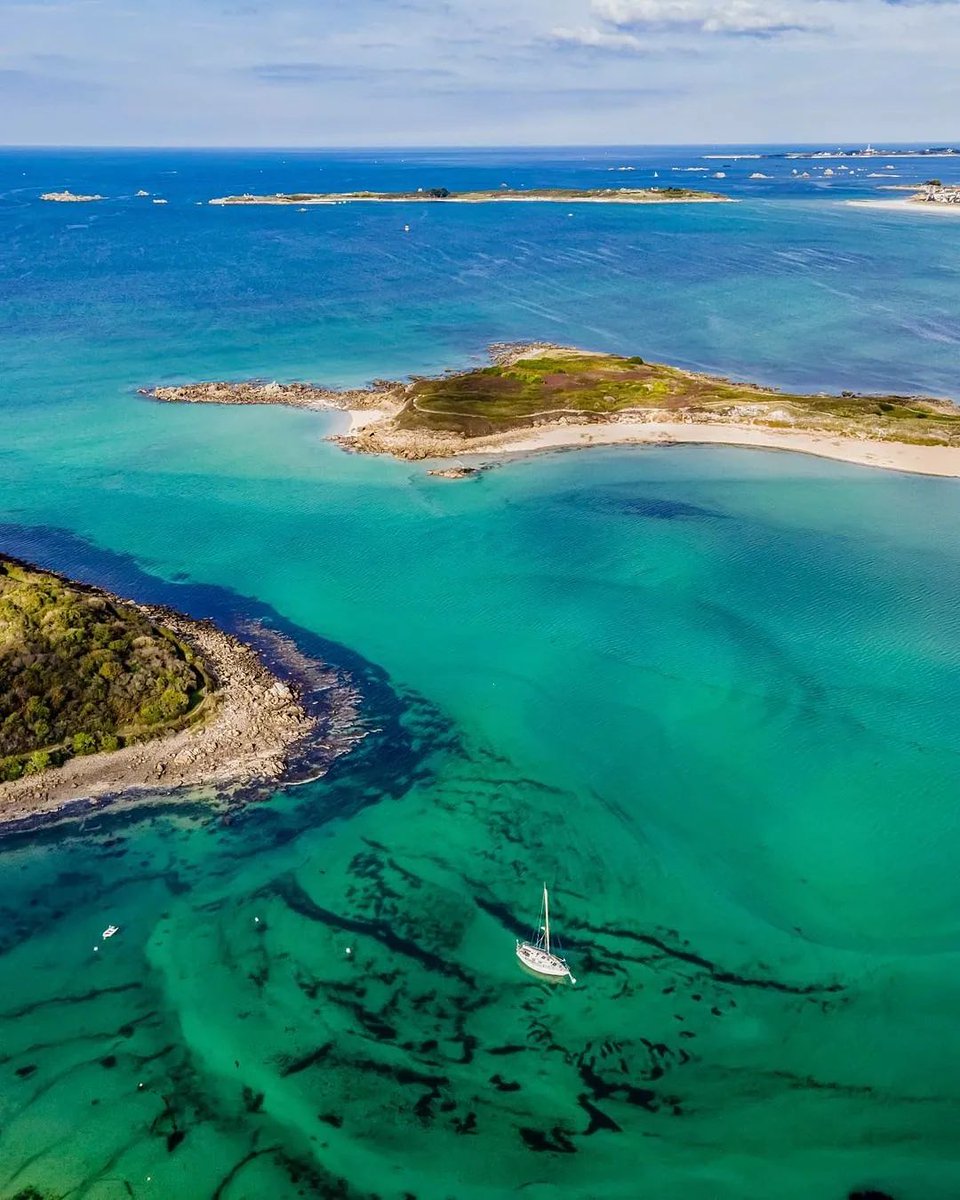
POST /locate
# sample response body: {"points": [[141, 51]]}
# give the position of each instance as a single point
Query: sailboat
{"points": [[537, 955]]}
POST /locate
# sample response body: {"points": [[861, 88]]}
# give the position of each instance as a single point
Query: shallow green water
{"points": [[708, 694]]}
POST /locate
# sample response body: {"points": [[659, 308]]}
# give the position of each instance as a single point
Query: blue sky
{"points": [[475, 72]]}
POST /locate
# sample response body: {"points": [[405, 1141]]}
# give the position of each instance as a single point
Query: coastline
{"points": [[905, 206], [254, 725], [278, 202], [943, 461]]}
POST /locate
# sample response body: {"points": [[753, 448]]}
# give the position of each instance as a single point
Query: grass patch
{"points": [[584, 387]]}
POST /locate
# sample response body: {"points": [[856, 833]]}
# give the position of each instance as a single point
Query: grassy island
{"points": [[665, 195], [541, 396], [80, 673]]}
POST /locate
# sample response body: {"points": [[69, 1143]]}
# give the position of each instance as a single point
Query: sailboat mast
{"points": [[546, 920]]}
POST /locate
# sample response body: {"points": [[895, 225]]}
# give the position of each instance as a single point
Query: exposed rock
{"points": [[68, 197], [295, 395], [455, 472]]}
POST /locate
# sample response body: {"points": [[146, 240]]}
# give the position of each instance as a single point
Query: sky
{"points": [[477, 72]]}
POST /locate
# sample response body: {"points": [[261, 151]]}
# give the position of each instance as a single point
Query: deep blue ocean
{"points": [[709, 694]]}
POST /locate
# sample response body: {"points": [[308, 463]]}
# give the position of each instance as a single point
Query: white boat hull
{"points": [[542, 963]]}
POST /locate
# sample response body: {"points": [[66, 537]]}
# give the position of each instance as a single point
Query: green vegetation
{"points": [[80, 673], [612, 195], [582, 386]]}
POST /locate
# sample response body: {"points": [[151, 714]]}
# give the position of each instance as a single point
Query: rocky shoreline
{"points": [[394, 418], [381, 393], [252, 727]]}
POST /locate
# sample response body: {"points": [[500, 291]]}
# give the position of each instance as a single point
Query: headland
{"points": [[435, 195], [102, 698], [540, 396]]}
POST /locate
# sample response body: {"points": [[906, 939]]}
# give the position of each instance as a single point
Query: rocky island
{"points": [[666, 195], [100, 697], [68, 197], [541, 396]]}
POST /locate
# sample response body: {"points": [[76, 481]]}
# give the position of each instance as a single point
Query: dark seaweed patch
{"points": [[297, 1065], [619, 500], [719, 975], [665, 510], [467, 1124], [296, 898], [558, 1142], [82, 998], [601, 1089], [598, 1119]]}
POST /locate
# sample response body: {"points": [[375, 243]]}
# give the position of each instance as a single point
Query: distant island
{"points": [[540, 396], [101, 697], [872, 152], [68, 197], [665, 195], [840, 152]]}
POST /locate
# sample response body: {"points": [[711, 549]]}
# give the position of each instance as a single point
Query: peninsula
{"points": [[666, 195], [100, 697], [542, 396]]}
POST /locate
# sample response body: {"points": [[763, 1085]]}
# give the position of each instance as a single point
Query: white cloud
{"points": [[603, 39], [757, 17], [445, 72]]}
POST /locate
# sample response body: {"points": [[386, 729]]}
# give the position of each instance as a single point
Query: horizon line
{"points": [[452, 146]]}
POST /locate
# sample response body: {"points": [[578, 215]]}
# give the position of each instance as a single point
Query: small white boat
{"points": [[537, 956], [110, 931]]}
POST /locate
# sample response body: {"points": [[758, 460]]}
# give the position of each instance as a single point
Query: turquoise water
{"points": [[708, 694]]}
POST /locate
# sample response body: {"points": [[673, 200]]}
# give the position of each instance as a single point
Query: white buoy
{"points": [[349, 951]]}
